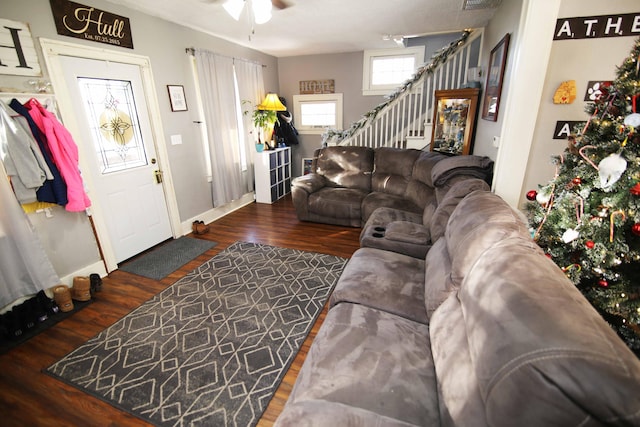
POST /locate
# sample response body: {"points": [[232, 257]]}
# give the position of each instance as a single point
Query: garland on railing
{"points": [[440, 57]]}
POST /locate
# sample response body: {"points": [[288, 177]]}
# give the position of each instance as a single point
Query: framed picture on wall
{"points": [[454, 117], [177, 98], [495, 74]]}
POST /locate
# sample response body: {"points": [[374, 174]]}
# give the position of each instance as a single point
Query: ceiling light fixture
{"points": [[397, 38], [261, 9]]}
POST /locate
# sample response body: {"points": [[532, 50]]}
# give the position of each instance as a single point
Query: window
{"points": [[386, 69], [314, 114]]}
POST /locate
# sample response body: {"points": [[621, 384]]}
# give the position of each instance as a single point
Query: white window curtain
{"points": [[250, 88], [220, 108]]}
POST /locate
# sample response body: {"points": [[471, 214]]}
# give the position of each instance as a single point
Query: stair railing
{"points": [[404, 119]]}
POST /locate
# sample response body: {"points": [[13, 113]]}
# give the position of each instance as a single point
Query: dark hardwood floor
{"points": [[28, 397]]}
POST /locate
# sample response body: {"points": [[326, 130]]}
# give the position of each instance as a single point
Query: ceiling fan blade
{"points": [[279, 4]]}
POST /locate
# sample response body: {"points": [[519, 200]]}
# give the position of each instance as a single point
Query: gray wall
{"points": [[346, 70], [67, 237]]}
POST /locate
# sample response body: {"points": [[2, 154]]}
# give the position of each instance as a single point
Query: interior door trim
{"points": [[52, 50]]}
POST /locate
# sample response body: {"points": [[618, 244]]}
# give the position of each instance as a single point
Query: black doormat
{"points": [[9, 341], [167, 258], [212, 348]]}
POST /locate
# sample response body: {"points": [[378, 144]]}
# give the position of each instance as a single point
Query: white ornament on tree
{"points": [[633, 120], [543, 197], [611, 169], [570, 235]]}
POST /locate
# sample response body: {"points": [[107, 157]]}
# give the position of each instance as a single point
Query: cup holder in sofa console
{"points": [[378, 232]]}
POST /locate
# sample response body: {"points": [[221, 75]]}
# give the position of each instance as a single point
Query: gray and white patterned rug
{"points": [[211, 349]]}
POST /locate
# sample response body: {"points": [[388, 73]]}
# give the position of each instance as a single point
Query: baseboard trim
{"points": [[217, 213]]}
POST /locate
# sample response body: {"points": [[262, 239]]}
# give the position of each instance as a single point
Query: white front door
{"points": [[116, 137]]}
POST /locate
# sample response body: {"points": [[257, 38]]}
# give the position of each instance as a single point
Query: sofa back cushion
{"points": [[479, 220], [345, 166], [437, 219], [542, 355], [420, 187], [459, 398], [392, 171], [437, 273]]}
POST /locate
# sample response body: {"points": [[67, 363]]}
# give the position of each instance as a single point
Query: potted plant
{"points": [[263, 121]]}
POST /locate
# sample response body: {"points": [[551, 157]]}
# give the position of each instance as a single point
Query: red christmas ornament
{"points": [[576, 181], [635, 229], [531, 195], [635, 190], [590, 244], [603, 283]]}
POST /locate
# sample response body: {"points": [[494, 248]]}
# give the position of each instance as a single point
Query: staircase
{"points": [[404, 120]]}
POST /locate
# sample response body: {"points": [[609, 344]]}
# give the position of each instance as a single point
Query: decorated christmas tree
{"points": [[587, 219]]}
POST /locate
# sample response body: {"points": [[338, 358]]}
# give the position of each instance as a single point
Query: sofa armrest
{"points": [[310, 182], [408, 232]]}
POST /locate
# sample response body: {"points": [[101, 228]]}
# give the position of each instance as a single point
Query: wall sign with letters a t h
{"points": [[565, 128], [17, 52], [595, 27]]}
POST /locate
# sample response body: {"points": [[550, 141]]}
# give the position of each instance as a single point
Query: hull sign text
{"points": [[88, 23]]}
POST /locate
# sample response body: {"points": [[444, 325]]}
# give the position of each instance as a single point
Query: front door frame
{"points": [[52, 49]]}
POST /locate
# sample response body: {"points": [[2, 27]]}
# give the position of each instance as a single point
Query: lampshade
{"points": [[261, 9], [234, 8], [272, 103]]}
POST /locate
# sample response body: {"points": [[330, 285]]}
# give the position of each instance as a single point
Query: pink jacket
{"points": [[64, 152]]}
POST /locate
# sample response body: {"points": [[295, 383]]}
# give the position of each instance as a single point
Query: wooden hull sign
{"points": [[88, 23]]}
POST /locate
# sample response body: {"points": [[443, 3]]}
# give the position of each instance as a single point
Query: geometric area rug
{"points": [[211, 349]]}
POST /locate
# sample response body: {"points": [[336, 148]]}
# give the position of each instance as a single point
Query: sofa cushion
{"points": [[320, 413], [385, 215], [438, 285], [393, 169], [384, 280], [420, 187], [337, 202], [372, 360], [543, 355], [459, 395], [346, 166], [479, 220], [377, 199], [408, 232], [437, 220]]}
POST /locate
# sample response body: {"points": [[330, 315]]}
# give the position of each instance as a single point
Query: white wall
{"points": [[506, 20], [67, 237], [580, 60]]}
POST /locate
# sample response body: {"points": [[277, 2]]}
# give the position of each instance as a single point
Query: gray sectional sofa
{"points": [[485, 330], [347, 184]]}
